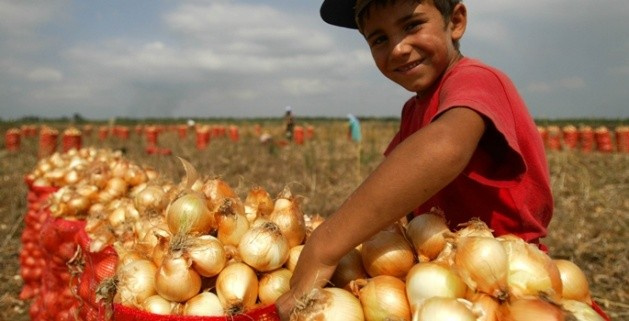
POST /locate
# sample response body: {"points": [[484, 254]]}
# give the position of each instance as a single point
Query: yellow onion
{"points": [[232, 224], [134, 175], [264, 247], [445, 309], [329, 304], [157, 305], [290, 219], [293, 257], [258, 203], [581, 310], [426, 234], [383, 298], [484, 306], [151, 198], [483, 265], [273, 284], [207, 254], [574, 281], [531, 271], [531, 309], [188, 214], [175, 280], [387, 253], [136, 282], [237, 288], [349, 268], [426, 280], [312, 222], [203, 304], [216, 190], [474, 227]]}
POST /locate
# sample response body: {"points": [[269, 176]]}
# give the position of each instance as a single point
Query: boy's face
{"points": [[411, 43]]}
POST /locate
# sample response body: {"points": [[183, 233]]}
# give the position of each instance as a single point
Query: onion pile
{"points": [[195, 248]]}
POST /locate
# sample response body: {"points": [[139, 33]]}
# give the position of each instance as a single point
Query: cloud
{"points": [[45, 75], [570, 83]]}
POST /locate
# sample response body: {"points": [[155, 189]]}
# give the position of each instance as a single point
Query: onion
{"points": [[136, 282], [484, 306], [175, 280], [581, 310], [474, 227], [237, 288], [264, 247], [273, 284], [293, 257], [328, 304], [157, 305], [151, 198], [207, 254], [445, 309], [290, 219], [387, 253], [483, 265], [574, 281], [531, 309], [188, 214], [426, 280], [258, 203], [382, 298], [531, 271], [232, 225], [426, 234], [349, 268], [203, 304]]}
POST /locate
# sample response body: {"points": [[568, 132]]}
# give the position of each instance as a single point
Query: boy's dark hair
{"points": [[445, 7]]}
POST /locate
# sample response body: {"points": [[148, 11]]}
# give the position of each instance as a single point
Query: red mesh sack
{"points": [[32, 262], [57, 300], [124, 313], [97, 267]]}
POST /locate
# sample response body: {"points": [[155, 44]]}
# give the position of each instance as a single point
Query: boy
{"points": [[466, 143]]}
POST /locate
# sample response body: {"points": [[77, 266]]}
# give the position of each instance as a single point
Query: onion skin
{"points": [[264, 247], [290, 219], [189, 214], [136, 282], [581, 310], [426, 280], [208, 255], [157, 305], [273, 284], [531, 309]]}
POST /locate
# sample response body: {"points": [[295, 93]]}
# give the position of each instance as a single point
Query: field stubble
{"points": [[589, 227]]}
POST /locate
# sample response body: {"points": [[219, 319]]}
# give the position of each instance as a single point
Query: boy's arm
{"points": [[412, 173]]}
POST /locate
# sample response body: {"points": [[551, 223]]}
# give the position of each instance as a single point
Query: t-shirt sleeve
{"points": [[498, 159]]}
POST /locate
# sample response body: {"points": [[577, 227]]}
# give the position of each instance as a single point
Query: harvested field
{"points": [[590, 226]]}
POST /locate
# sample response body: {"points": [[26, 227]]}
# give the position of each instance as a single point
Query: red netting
{"points": [[123, 313]]}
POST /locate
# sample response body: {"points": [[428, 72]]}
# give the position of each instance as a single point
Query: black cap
{"points": [[342, 13]]}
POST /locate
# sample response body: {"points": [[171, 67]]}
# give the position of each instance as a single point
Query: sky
{"points": [[252, 58]]}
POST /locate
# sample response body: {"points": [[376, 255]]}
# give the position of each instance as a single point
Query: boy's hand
{"points": [[310, 273]]}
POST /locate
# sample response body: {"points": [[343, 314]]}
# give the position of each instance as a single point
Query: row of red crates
{"points": [[72, 138], [586, 139]]}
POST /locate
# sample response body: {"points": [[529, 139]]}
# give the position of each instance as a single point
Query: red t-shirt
{"points": [[506, 183]]}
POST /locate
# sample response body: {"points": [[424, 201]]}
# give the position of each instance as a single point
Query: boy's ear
{"points": [[458, 21]]}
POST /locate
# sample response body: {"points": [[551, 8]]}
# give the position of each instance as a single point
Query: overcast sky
{"points": [[251, 58]]}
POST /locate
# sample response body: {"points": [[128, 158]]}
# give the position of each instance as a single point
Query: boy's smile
{"points": [[410, 42]]}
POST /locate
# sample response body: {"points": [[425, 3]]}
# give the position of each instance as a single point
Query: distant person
{"points": [[354, 132], [466, 144], [289, 123]]}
